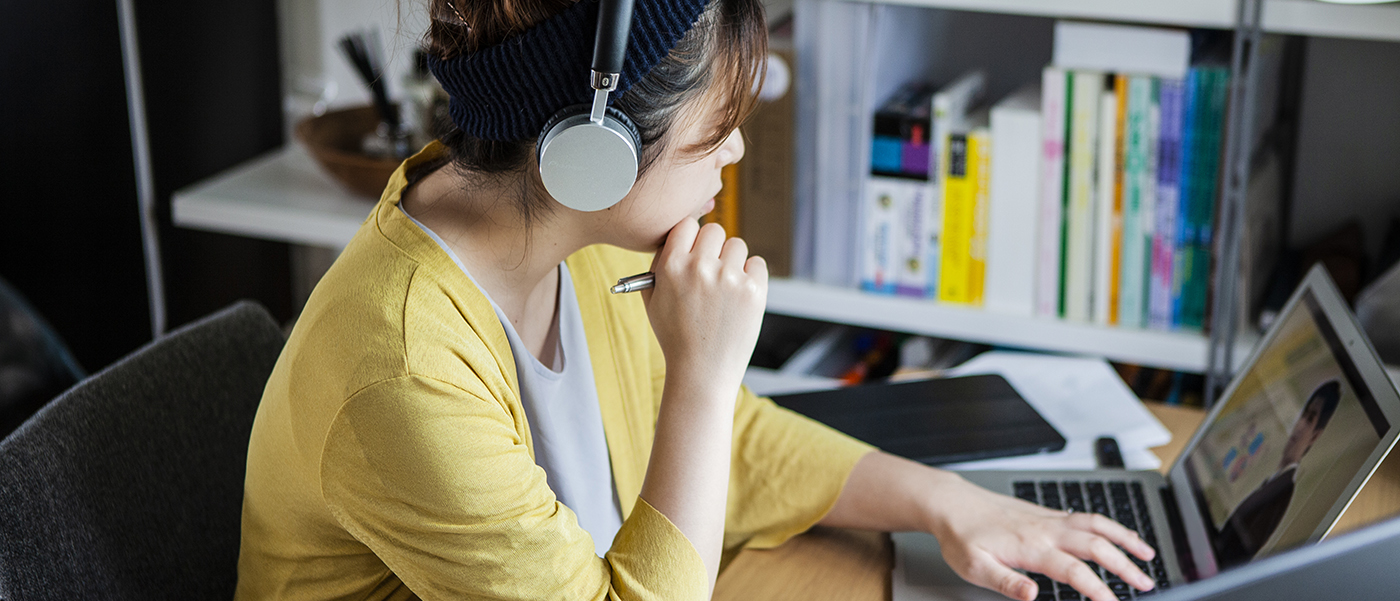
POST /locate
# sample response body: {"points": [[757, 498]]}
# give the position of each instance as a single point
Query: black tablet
{"points": [[939, 421]]}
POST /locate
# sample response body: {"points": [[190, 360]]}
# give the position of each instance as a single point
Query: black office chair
{"points": [[130, 485]]}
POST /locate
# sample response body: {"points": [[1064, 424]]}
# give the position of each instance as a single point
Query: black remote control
{"points": [[1107, 453]]}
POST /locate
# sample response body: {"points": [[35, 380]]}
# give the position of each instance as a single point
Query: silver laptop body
{"points": [[1219, 505]]}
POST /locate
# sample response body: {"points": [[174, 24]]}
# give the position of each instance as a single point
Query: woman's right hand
{"points": [[708, 302]]}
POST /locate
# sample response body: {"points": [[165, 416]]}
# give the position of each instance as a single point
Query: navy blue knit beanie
{"points": [[506, 92]]}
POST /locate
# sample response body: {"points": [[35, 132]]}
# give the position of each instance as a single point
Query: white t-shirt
{"points": [[561, 406]]}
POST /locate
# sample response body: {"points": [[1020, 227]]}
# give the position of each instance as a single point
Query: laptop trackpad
{"points": [[920, 574]]}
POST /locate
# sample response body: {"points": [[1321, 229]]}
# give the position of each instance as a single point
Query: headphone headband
{"points": [[506, 92]]}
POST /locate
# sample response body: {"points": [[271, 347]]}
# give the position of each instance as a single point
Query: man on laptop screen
{"points": [[1286, 443]]}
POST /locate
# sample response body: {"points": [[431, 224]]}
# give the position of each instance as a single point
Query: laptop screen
{"points": [[1298, 426]]}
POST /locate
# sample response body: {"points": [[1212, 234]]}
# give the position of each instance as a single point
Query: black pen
{"points": [[633, 283]]}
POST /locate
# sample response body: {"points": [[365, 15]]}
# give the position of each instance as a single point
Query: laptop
{"points": [[1295, 435]]}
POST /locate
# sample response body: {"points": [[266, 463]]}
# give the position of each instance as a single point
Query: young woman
{"points": [[464, 411]]}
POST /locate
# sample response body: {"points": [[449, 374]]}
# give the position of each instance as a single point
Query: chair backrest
{"points": [[130, 485]]}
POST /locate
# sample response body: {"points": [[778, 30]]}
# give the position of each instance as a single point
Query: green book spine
{"points": [[1136, 141]]}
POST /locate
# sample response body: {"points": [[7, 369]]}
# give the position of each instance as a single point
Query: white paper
{"points": [[1083, 398]]}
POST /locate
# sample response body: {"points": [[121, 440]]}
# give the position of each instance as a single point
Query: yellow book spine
{"points": [[959, 212], [1116, 228], [979, 160], [726, 211]]}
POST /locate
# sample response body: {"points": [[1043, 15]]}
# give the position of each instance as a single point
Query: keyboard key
{"points": [[1050, 495], [1074, 497], [1025, 491], [1098, 501], [1067, 593]]}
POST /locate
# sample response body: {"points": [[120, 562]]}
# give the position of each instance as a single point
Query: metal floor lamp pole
{"points": [[141, 152]]}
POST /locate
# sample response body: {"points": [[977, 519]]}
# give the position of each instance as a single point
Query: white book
{"points": [[1011, 230], [1122, 48], [916, 237], [1050, 233], [1081, 148], [950, 106], [885, 199], [1106, 218]]}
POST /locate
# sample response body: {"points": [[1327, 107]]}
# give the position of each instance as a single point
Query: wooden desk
{"points": [[850, 565]]}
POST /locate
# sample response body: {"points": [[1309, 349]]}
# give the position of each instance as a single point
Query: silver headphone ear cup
{"points": [[586, 166]]}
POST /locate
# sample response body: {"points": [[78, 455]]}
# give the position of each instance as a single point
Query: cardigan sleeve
{"points": [[786, 474], [786, 471], [438, 483]]}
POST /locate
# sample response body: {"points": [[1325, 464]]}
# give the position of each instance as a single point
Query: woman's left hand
{"points": [[985, 535]]}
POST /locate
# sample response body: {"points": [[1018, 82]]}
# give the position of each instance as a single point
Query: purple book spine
{"points": [[1164, 232]]}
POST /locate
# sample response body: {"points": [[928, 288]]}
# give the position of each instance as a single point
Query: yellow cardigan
{"points": [[390, 457]]}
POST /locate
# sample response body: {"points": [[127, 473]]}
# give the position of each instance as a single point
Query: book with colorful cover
{"points": [[1205, 191], [1107, 210], [883, 199], [1137, 238], [979, 158], [915, 231], [1084, 98], [1171, 105], [1049, 251], [1194, 122], [959, 185]]}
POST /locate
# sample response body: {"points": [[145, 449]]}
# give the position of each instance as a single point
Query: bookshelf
{"points": [[1302, 17], [841, 77], [1172, 350]]}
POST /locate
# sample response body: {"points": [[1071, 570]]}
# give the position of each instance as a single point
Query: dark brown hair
{"points": [[722, 54]]}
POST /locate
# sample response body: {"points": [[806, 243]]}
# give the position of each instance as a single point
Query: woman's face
{"points": [[678, 186]]}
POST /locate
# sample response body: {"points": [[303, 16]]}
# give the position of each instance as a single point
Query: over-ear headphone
{"points": [[589, 155]]}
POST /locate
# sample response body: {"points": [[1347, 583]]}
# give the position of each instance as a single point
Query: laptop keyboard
{"points": [[1122, 501]]}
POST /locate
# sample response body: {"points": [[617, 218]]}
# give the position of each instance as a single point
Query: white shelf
{"points": [[282, 195], [1311, 17], [1219, 14], [1172, 350], [1306, 17]]}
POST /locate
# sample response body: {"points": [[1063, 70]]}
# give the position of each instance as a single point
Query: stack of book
{"points": [[905, 209], [1090, 196], [1130, 164]]}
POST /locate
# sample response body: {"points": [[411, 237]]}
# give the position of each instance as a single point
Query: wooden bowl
{"points": [[334, 139]]}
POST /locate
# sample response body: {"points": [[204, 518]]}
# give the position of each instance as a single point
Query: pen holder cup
{"points": [[334, 139]]}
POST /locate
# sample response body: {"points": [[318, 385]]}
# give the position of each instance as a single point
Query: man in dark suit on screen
{"points": [[1256, 517]]}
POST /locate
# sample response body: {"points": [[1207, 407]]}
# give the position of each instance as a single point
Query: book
{"points": [[726, 211], [1011, 237], [1050, 196], [1171, 102], [1138, 185], [1203, 185], [1085, 98], [1107, 207], [1122, 48], [883, 200], [960, 263], [951, 104], [766, 175], [979, 158], [900, 144], [877, 252], [949, 107], [915, 232]]}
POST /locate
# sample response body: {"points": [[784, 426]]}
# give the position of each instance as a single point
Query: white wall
{"points": [[1348, 163]]}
